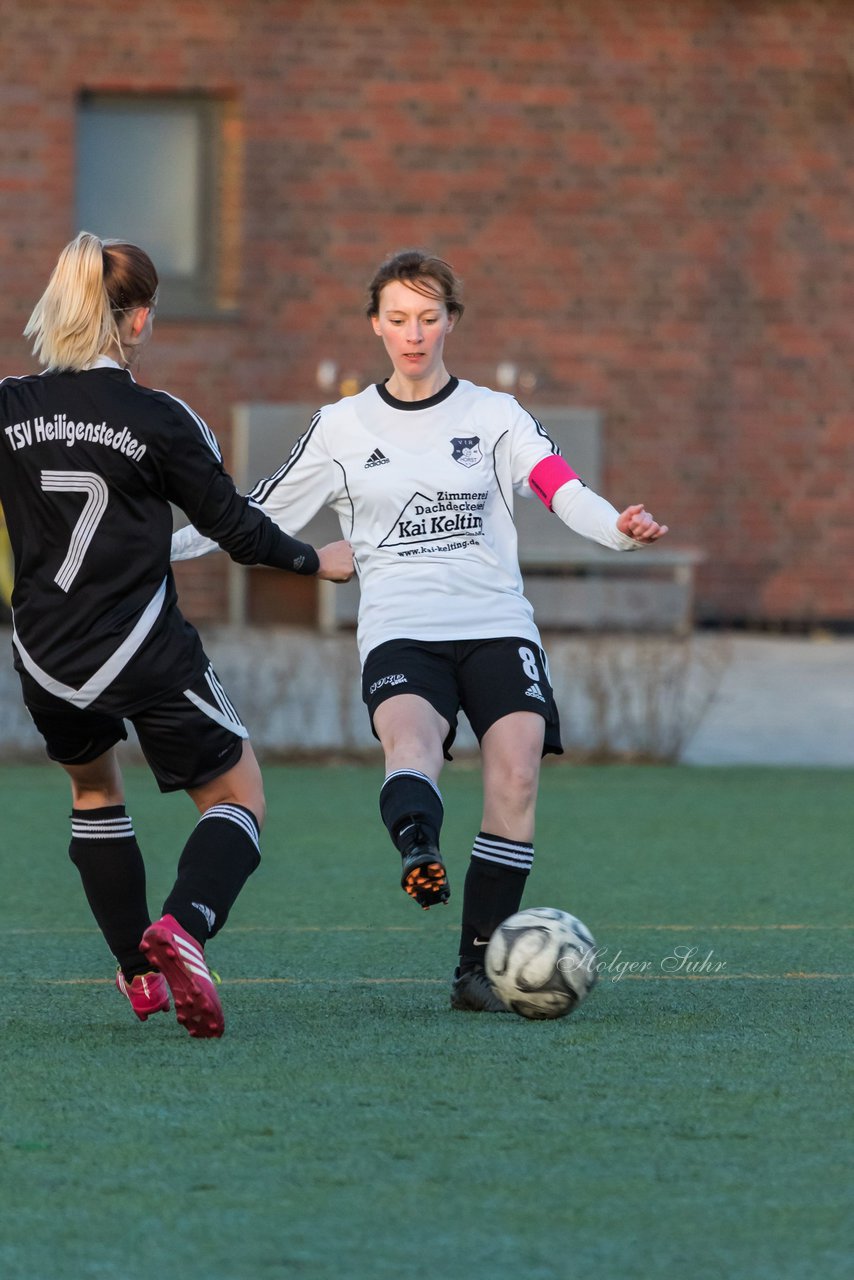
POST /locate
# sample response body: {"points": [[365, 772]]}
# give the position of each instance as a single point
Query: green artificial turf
{"points": [[349, 1124]]}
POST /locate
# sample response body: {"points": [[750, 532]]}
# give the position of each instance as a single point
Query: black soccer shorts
{"points": [[188, 738], [487, 679]]}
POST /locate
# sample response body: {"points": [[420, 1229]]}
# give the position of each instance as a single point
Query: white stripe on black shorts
{"points": [[188, 737]]}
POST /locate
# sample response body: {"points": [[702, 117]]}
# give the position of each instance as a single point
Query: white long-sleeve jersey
{"points": [[424, 491]]}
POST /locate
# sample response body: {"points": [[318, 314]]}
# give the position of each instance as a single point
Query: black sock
{"points": [[217, 860], [105, 852], [495, 881], [412, 809]]}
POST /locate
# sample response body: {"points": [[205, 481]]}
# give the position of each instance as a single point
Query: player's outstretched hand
{"points": [[336, 562], [639, 524]]}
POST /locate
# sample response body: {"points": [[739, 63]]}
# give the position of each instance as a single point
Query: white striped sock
{"points": [[236, 814], [413, 773], [508, 853], [101, 828]]}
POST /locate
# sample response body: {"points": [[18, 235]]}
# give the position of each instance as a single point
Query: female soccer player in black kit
{"points": [[89, 463]]}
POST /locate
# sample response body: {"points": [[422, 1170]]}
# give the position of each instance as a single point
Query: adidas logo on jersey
{"points": [[377, 459], [534, 692]]}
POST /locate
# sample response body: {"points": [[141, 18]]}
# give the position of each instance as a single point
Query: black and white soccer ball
{"points": [[542, 962]]}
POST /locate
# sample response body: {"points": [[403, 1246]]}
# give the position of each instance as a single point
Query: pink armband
{"points": [[550, 475]]}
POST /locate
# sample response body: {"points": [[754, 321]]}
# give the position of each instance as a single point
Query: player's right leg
{"points": [[409, 688], [411, 732], [195, 742]]}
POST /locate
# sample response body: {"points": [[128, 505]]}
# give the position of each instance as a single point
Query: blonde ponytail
{"points": [[94, 281], [72, 322]]}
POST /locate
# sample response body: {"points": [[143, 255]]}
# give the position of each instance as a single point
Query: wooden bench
{"points": [[595, 589], [572, 583]]}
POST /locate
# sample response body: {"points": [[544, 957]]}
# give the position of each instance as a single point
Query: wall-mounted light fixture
{"points": [[327, 374], [506, 373]]}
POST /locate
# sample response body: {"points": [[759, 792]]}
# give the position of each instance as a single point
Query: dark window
{"points": [[150, 169]]}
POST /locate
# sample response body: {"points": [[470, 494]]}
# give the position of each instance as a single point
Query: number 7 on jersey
{"points": [[97, 496]]}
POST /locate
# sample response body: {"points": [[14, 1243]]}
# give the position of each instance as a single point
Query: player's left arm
{"points": [[540, 468], [588, 513]]}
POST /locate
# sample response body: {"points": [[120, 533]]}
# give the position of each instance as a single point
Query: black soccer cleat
{"points": [[424, 876], [472, 991]]}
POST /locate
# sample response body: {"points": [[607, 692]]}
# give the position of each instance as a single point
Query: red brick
{"points": [[650, 206]]}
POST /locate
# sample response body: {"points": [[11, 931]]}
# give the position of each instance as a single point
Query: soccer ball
{"points": [[542, 962]]}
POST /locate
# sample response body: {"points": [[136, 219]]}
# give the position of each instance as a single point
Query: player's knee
{"points": [[250, 784], [96, 797], [259, 808], [249, 794], [241, 785], [519, 781], [96, 784]]}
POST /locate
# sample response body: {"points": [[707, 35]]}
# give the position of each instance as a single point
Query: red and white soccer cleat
{"points": [[148, 993], [181, 960]]}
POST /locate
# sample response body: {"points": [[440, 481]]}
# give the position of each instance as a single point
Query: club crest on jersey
{"points": [[467, 451]]}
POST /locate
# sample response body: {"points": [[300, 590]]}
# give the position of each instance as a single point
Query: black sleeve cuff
{"points": [[290, 553]]}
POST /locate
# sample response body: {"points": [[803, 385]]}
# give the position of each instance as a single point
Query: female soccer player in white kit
{"points": [[89, 463], [422, 471]]}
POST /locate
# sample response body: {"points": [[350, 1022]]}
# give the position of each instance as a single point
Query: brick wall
{"points": [[650, 204]]}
